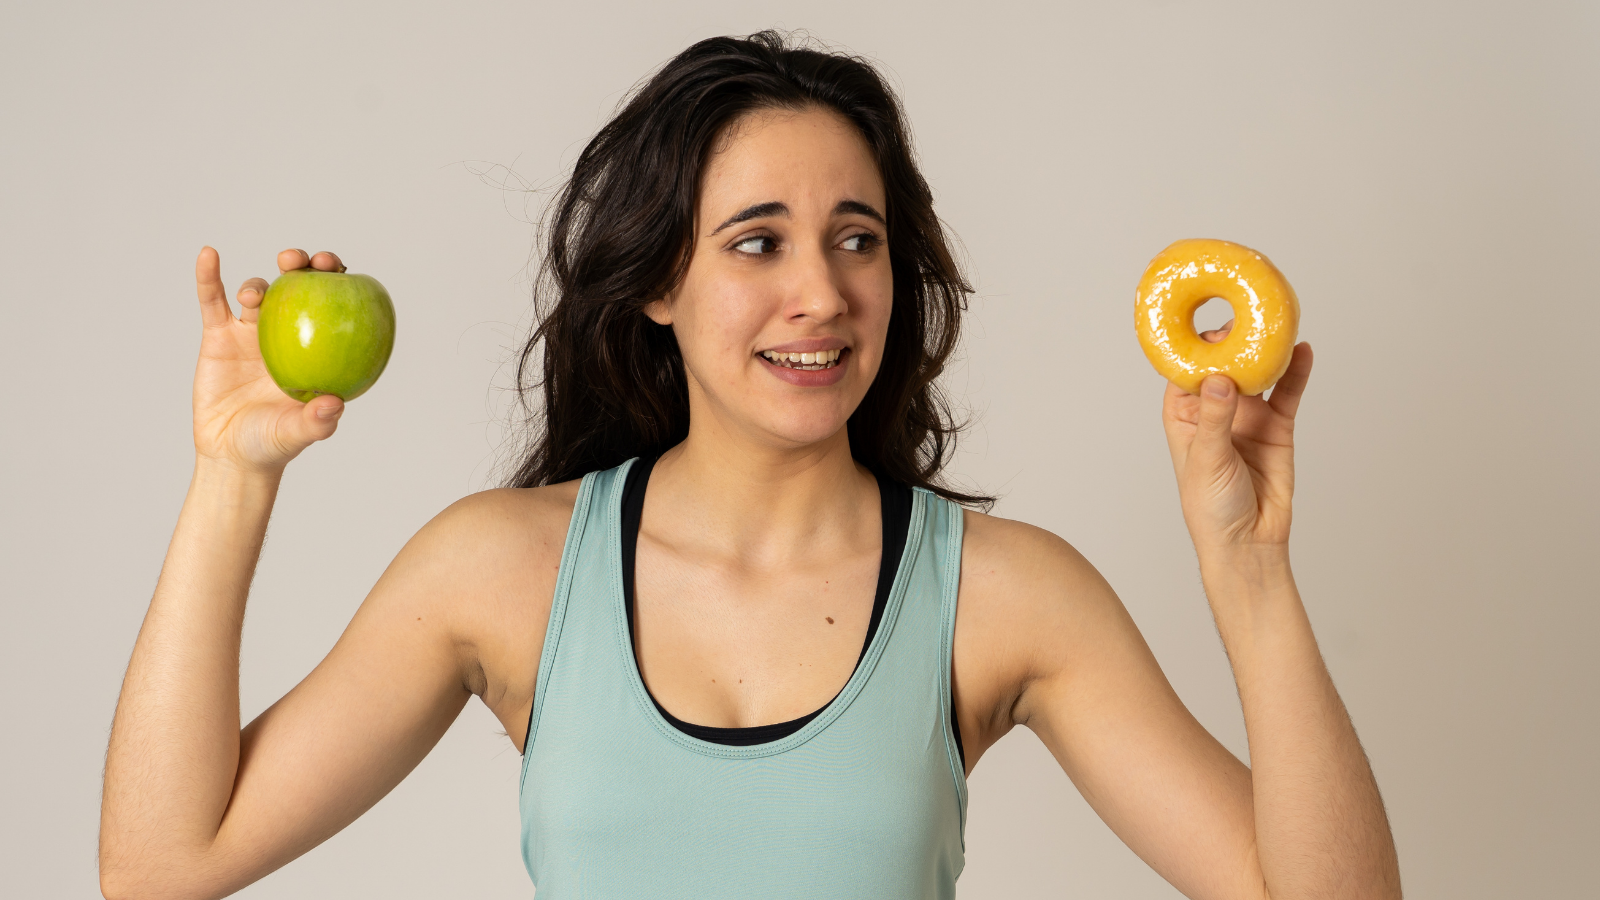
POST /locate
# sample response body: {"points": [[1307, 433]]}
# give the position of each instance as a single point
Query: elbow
{"points": [[135, 868], [122, 882], [113, 887], [143, 860], [116, 884], [116, 881]]}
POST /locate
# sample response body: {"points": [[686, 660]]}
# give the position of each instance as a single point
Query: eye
{"points": [[860, 243], [756, 246]]}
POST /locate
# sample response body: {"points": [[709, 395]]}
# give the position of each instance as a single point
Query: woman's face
{"points": [[782, 314]]}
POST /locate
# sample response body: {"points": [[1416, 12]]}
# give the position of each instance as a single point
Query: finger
{"points": [[1179, 409], [1217, 334], [214, 311], [325, 261], [1178, 406], [1285, 399], [316, 420], [1213, 438], [289, 260], [249, 297]]}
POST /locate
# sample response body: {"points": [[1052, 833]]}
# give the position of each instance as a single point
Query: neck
{"points": [[760, 502]]}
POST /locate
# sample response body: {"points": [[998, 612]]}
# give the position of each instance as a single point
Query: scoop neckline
{"points": [[823, 717]]}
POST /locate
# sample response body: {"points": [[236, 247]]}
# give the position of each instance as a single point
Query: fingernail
{"points": [[328, 412], [1216, 386]]}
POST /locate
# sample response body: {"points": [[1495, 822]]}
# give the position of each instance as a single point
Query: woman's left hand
{"points": [[1234, 458]]}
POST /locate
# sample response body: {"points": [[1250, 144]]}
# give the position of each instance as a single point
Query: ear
{"points": [[659, 311]]}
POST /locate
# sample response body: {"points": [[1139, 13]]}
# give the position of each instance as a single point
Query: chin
{"points": [[803, 428]]}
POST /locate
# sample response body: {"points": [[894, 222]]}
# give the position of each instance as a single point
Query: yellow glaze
{"points": [[1266, 315]]}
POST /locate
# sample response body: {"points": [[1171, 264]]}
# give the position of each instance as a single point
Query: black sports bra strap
{"points": [[896, 506]]}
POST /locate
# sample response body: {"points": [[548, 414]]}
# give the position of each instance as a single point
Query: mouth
{"points": [[804, 362]]}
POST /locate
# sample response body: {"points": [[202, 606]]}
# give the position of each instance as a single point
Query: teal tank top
{"points": [[868, 799]]}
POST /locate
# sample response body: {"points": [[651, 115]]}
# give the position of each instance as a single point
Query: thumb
{"points": [[317, 419], [1213, 439]]}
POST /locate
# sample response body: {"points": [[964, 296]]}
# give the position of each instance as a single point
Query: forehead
{"points": [[807, 159]]}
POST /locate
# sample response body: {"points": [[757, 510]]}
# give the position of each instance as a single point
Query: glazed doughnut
{"points": [[1266, 315]]}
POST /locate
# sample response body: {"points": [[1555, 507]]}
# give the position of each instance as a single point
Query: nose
{"points": [[814, 291]]}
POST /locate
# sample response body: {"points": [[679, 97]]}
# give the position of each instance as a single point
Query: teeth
{"points": [[820, 359]]}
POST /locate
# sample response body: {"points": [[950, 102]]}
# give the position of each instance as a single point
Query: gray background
{"points": [[1424, 173]]}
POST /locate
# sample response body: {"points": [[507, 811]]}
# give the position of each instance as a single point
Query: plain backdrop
{"points": [[1424, 173]]}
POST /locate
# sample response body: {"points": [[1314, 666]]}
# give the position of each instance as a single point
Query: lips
{"points": [[798, 372]]}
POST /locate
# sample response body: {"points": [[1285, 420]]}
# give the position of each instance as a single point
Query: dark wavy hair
{"points": [[619, 235]]}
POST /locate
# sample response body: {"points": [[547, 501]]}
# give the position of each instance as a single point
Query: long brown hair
{"points": [[619, 235]]}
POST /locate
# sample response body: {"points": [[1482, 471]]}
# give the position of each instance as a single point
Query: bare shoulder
{"points": [[1015, 552], [491, 560], [1021, 577], [487, 539], [481, 526], [1029, 605]]}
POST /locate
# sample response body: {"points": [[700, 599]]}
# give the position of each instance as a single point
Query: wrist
{"points": [[1249, 569], [1253, 598], [1239, 578], [232, 479]]}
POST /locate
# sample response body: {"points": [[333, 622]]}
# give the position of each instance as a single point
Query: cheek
{"points": [[873, 290], [720, 324], [884, 300]]}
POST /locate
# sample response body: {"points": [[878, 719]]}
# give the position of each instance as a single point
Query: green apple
{"points": [[325, 333]]}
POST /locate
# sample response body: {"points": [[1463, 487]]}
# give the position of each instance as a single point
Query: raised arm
{"points": [[193, 806], [1305, 819]]}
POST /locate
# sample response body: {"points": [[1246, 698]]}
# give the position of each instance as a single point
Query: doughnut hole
{"points": [[1212, 314]]}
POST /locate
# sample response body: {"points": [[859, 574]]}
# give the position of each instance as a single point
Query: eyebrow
{"points": [[776, 208]]}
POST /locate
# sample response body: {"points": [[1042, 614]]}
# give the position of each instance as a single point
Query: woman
{"points": [[746, 639]]}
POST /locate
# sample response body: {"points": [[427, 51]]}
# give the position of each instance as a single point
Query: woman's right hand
{"points": [[241, 418], [196, 806]]}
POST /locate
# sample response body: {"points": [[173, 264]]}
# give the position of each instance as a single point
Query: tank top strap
{"points": [[594, 519], [927, 616], [943, 530]]}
